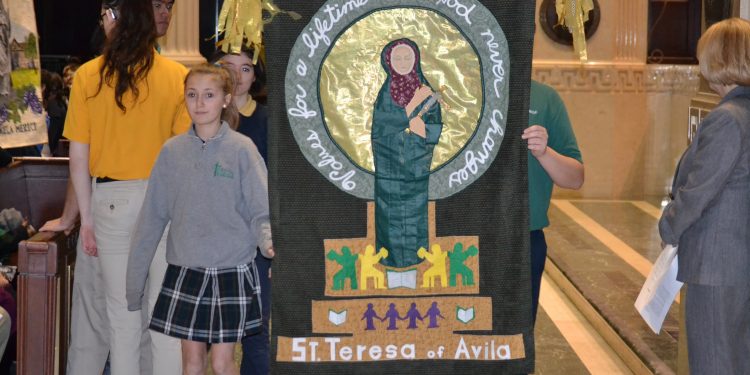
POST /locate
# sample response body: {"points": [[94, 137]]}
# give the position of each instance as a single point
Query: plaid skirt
{"points": [[212, 305]]}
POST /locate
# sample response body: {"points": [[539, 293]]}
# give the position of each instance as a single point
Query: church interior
{"points": [[635, 98]]}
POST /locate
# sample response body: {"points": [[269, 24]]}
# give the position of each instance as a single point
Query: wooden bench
{"points": [[36, 187]]}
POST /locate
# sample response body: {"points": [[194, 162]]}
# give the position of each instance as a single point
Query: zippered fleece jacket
{"points": [[215, 194]]}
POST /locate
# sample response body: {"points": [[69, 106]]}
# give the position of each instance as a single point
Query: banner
{"points": [[22, 121], [398, 186]]}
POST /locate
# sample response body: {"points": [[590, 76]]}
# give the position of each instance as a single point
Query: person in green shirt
{"points": [[554, 158]]}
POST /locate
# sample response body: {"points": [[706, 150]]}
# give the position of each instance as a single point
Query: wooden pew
{"points": [[45, 284], [36, 187]]}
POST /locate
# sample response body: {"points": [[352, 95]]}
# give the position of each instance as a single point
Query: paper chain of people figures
{"points": [[438, 270], [393, 316]]}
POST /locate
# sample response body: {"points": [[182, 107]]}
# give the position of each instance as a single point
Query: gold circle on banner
{"points": [[352, 75]]}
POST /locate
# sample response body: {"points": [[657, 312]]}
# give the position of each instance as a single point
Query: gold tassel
{"points": [[573, 14], [242, 20]]}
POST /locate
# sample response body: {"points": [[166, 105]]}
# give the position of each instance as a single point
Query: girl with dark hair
{"points": [[405, 129], [123, 106], [249, 79], [129, 51]]}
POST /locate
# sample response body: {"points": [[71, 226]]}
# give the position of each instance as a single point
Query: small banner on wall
{"points": [[22, 121], [398, 186]]}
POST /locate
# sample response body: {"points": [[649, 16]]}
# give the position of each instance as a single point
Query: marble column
{"points": [[182, 40], [745, 9], [631, 31]]}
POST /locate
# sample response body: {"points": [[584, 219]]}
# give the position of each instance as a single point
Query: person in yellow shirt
{"points": [[123, 106]]}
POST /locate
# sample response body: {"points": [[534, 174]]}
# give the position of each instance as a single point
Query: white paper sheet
{"points": [[659, 290]]}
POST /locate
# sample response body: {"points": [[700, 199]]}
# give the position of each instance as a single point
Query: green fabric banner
{"points": [[398, 186]]}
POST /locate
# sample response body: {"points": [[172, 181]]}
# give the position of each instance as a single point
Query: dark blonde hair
{"points": [[224, 77], [724, 52]]}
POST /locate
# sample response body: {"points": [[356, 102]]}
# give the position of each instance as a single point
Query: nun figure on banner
{"points": [[406, 126]]}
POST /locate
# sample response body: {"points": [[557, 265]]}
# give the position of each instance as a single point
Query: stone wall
{"points": [[630, 117]]}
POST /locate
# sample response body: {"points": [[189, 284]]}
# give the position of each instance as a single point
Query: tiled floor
{"points": [[566, 343], [606, 250]]}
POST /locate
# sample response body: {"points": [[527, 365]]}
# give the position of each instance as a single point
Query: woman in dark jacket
{"points": [[709, 217]]}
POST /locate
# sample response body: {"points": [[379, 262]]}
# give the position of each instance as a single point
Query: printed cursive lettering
{"points": [[328, 160], [460, 9], [301, 105], [497, 62], [474, 160], [334, 14]]}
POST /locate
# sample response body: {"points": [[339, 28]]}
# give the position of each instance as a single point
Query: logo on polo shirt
{"points": [[219, 171]]}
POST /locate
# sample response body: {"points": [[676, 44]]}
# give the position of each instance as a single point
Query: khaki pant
{"points": [[101, 322]]}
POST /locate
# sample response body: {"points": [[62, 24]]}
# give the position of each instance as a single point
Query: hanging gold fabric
{"points": [[573, 14], [352, 75], [242, 20]]}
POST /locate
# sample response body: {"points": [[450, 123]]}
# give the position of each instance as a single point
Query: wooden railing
{"points": [[36, 187], [45, 281]]}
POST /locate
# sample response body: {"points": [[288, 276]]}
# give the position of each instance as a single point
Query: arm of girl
{"points": [[152, 220], [255, 191]]}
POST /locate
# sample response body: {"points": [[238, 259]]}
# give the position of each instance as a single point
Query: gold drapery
{"points": [[242, 20], [573, 14]]}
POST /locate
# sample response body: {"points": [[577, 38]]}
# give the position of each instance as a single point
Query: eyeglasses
{"points": [[109, 11]]}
